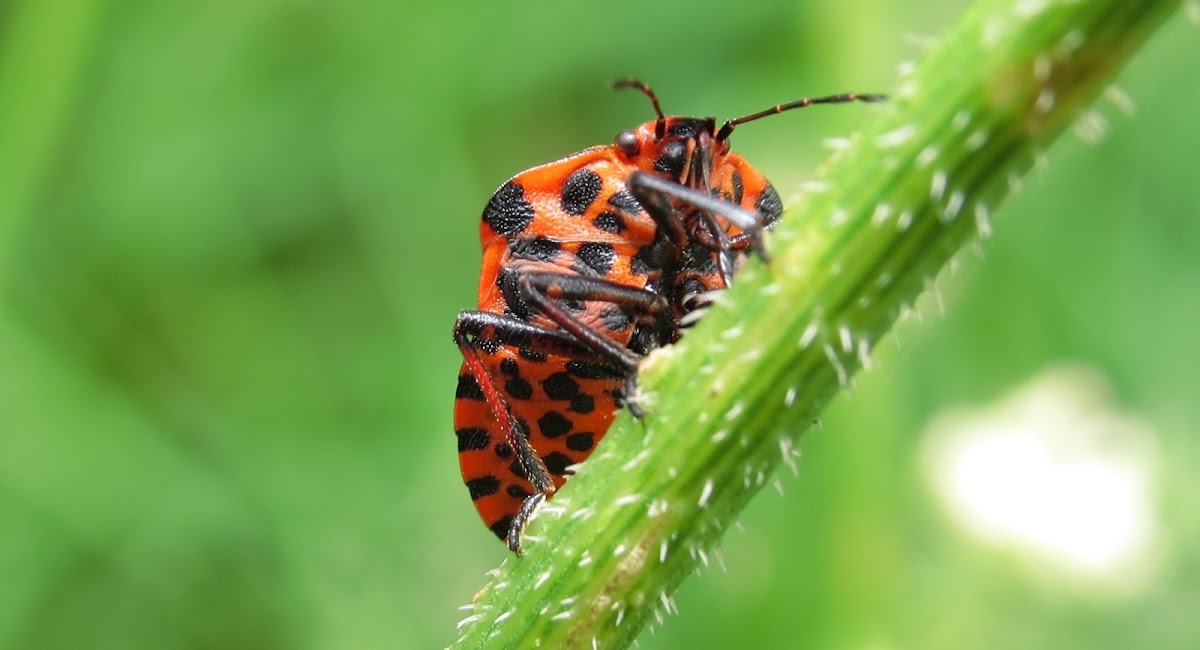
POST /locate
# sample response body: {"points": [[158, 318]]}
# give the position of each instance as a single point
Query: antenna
{"points": [[843, 98], [630, 82]]}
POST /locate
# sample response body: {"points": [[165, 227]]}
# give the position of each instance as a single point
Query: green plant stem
{"points": [[727, 404]]}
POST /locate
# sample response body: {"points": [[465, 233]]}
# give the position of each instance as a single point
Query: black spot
{"points": [[503, 450], [769, 205], [560, 386], [580, 190], [508, 212], [483, 486], [518, 470], [670, 161], [510, 367], [593, 370], [609, 222], [597, 257], [472, 438], [557, 462], [615, 319], [580, 441], [515, 306], [518, 388], [468, 388], [517, 492], [649, 258], [625, 202], [532, 355], [554, 424], [501, 528], [739, 188], [583, 404], [534, 248], [638, 265], [685, 127]]}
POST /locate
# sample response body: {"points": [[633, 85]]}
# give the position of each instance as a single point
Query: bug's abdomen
{"points": [[563, 405]]}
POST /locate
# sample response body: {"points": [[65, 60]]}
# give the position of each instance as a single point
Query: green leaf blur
{"points": [[234, 237]]}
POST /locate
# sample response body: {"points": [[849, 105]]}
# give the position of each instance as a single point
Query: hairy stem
{"points": [[727, 404]]}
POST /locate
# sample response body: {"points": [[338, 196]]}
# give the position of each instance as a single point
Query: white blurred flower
{"points": [[1055, 473]]}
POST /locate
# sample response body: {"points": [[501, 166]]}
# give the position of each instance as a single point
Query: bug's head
{"points": [[673, 147], [677, 148], [683, 149]]}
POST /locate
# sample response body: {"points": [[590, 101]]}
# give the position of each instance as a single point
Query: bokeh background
{"points": [[234, 237]]}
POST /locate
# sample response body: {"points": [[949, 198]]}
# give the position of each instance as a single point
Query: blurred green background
{"points": [[234, 237]]}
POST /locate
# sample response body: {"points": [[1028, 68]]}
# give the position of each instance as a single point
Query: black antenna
{"points": [[843, 98], [630, 82], [660, 125]]}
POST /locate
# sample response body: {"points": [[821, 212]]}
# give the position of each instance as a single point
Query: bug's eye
{"points": [[627, 142]]}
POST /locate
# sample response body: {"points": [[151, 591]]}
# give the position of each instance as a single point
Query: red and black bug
{"points": [[589, 263]]}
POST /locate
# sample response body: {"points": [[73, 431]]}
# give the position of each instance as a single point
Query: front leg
{"points": [[655, 194]]}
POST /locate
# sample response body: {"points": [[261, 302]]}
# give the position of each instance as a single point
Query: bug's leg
{"points": [[541, 290], [482, 329], [475, 331], [528, 507], [645, 189], [653, 191], [723, 246]]}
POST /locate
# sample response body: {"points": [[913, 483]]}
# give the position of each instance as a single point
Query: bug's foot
{"points": [[528, 509]]}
